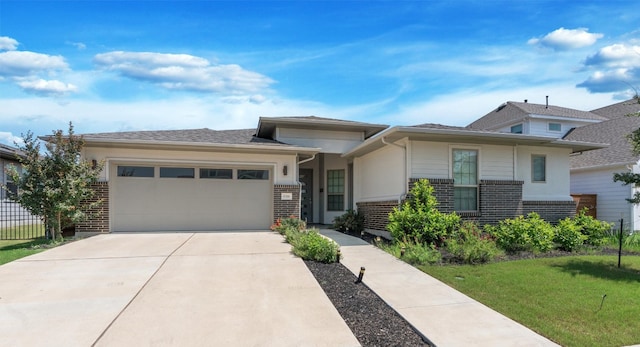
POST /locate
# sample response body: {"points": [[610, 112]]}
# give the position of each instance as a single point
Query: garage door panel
{"points": [[181, 204]]}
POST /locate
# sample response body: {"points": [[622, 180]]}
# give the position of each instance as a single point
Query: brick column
{"points": [[286, 208], [98, 220]]}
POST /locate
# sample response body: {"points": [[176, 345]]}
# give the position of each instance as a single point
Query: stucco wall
{"points": [[380, 175], [329, 141]]}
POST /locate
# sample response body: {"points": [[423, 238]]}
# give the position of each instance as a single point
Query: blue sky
{"points": [[124, 65]]}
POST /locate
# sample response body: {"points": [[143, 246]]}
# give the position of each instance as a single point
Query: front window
{"points": [[465, 179], [538, 168], [555, 127], [335, 190]]}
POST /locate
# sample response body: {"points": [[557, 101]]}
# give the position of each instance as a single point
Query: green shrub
{"points": [[351, 221], [568, 235], [412, 253], [419, 221], [310, 245], [596, 231], [470, 245], [283, 224], [523, 234]]}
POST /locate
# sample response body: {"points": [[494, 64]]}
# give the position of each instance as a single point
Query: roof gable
{"points": [[267, 125], [514, 112]]}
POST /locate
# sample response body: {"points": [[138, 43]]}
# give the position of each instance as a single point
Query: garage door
{"points": [[190, 198]]}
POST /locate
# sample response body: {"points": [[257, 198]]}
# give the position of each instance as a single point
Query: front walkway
{"points": [[442, 314]]}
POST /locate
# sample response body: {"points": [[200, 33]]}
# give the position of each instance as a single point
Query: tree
{"points": [[628, 178], [56, 186]]}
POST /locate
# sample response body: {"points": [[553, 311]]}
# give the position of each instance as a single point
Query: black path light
{"points": [[360, 275]]}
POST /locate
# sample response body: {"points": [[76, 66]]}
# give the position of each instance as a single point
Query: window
{"points": [[465, 179], [335, 190], [253, 174], [516, 129], [216, 173], [538, 168], [135, 171], [177, 172], [555, 127]]}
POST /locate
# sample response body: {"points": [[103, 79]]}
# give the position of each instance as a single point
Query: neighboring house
{"points": [[535, 119], [318, 168], [8, 157], [592, 172]]}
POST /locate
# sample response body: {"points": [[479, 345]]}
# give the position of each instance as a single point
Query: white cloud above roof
{"points": [[24, 63], [183, 72], [47, 87], [616, 67], [565, 39], [8, 44]]}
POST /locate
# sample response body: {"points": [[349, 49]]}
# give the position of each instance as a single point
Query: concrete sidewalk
{"points": [[442, 314], [167, 289]]}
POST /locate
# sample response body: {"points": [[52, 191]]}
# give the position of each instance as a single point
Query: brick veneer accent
{"points": [[98, 220], [376, 213], [286, 208], [499, 200], [551, 211]]}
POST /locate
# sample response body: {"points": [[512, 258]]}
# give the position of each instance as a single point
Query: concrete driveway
{"points": [[167, 289]]}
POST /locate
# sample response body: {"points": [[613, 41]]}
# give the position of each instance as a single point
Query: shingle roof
{"points": [[236, 137], [614, 133], [511, 112], [620, 109], [8, 152]]}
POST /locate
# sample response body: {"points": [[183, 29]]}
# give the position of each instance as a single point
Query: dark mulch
{"points": [[370, 319]]}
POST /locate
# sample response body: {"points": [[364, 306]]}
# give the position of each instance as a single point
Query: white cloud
{"points": [[183, 72], [565, 39], [616, 69], [8, 44], [47, 87], [24, 63], [10, 139], [616, 56]]}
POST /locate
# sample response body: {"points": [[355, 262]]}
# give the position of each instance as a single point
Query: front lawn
{"points": [[11, 250], [560, 298]]}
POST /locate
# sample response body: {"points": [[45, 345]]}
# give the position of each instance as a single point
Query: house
{"points": [[592, 172], [8, 157], [318, 168]]}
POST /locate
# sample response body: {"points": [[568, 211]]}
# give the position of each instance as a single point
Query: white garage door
{"points": [[190, 198]]}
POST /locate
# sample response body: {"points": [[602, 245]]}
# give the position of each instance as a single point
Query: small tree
{"points": [[57, 185]]}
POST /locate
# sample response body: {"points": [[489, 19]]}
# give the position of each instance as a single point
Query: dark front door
{"points": [[306, 208]]}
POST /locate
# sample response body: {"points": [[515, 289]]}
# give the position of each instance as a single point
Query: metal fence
{"points": [[16, 223]]}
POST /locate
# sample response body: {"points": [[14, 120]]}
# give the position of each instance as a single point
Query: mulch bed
{"points": [[370, 319]]}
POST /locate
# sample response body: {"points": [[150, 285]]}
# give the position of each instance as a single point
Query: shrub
{"points": [[595, 230], [351, 221], [310, 245], [523, 234], [470, 245], [419, 221], [283, 224], [414, 254], [568, 236]]}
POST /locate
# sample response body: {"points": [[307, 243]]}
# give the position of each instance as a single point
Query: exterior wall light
{"points": [[285, 170]]}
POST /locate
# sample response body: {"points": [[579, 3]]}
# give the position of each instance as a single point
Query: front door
{"points": [[306, 205]]}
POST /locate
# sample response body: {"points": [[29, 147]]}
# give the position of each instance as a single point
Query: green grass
{"points": [[11, 250], [22, 232], [559, 298]]}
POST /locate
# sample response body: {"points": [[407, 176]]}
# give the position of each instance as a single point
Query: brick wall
{"points": [[551, 211], [98, 220], [286, 208], [376, 213], [499, 199], [442, 190]]}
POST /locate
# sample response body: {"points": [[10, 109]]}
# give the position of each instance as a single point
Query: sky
{"points": [[110, 66]]}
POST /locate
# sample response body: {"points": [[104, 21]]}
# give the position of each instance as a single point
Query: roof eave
{"points": [[95, 142]]}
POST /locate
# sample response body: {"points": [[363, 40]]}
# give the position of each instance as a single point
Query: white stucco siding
{"points": [[329, 141], [611, 203], [201, 157], [432, 160], [556, 186], [429, 159], [380, 175], [496, 162]]}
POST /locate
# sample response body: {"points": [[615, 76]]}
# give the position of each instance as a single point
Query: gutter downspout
{"points": [[406, 179]]}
